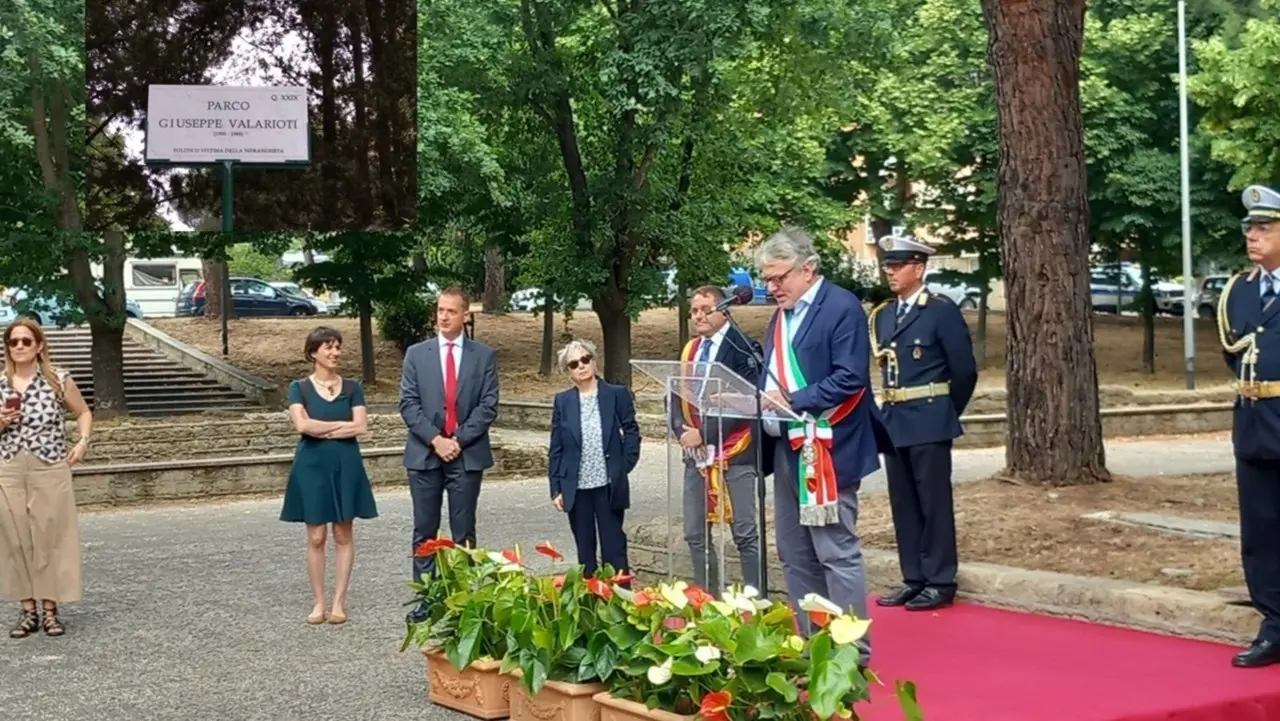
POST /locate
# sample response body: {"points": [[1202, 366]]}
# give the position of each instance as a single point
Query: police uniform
{"points": [[926, 358], [1249, 330]]}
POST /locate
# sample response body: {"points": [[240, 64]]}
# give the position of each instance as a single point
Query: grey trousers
{"points": [[826, 560], [741, 482]]}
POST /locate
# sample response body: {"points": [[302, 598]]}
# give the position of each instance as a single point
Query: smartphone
{"points": [[13, 403]]}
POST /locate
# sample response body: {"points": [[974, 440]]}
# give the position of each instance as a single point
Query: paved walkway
{"points": [[196, 613]]}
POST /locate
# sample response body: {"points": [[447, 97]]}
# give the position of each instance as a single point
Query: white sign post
{"points": [[225, 125]]}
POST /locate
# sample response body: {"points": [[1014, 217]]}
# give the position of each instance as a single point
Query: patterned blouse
{"points": [[592, 472], [42, 430]]}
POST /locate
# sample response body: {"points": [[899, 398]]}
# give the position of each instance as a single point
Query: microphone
{"points": [[740, 295]]}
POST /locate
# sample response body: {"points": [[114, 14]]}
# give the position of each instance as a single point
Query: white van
{"points": [[154, 283]]}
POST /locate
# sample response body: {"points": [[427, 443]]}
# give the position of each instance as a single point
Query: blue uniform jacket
{"points": [[932, 346], [1256, 430]]}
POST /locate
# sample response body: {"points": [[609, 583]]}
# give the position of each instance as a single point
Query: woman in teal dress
{"points": [[328, 485]]}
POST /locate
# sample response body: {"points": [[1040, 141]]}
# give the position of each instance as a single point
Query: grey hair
{"points": [[791, 245], [582, 344]]}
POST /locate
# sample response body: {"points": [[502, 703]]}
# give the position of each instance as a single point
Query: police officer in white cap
{"points": [[921, 342], [1249, 329]]}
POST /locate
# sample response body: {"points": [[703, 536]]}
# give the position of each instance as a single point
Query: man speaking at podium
{"points": [[710, 495], [818, 354]]}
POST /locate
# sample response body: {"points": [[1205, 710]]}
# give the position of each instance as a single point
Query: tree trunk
{"points": [[213, 270], [548, 333], [106, 317], [1054, 431], [367, 363], [363, 189], [495, 280], [682, 307], [615, 326], [980, 337], [330, 154]]}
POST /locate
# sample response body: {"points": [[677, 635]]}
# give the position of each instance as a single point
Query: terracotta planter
{"points": [[618, 709], [557, 701], [478, 691]]}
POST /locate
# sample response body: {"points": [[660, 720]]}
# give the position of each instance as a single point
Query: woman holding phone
{"points": [[39, 536]]}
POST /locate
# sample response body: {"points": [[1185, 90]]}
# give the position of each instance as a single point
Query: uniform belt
{"points": [[1259, 389], [902, 395]]}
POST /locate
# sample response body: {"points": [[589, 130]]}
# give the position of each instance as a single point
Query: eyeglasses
{"points": [[22, 342], [583, 361], [1262, 225]]}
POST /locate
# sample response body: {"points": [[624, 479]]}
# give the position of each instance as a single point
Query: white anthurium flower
{"points": [[761, 603], [723, 607], [674, 594], [660, 674], [706, 654], [816, 603], [504, 565], [846, 630], [739, 602], [750, 592]]}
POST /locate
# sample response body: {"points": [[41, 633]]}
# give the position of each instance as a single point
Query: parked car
{"points": [[250, 297], [298, 291], [1207, 299], [965, 296], [1115, 288], [47, 309]]}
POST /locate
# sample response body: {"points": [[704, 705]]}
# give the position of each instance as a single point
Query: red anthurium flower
{"points": [[600, 588], [622, 578], [819, 618], [715, 706], [430, 546], [558, 580], [549, 551], [698, 597], [675, 623], [642, 598], [513, 555]]}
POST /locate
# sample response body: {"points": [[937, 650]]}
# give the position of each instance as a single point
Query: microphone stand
{"points": [[757, 362]]}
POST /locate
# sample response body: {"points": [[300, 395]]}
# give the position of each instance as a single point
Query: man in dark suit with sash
{"points": [[719, 455], [1249, 330], [922, 344]]}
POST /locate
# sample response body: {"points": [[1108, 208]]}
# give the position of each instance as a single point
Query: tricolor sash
{"points": [[719, 507], [816, 475]]}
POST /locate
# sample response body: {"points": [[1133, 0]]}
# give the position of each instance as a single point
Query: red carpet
{"points": [[973, 663]]}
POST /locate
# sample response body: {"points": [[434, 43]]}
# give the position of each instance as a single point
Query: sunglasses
{"points": [[583, 361], [21, 342]]}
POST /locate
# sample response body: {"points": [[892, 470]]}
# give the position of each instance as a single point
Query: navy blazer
{"points": [[621, 443], [932, 346], [1256, 428], [834, 351]]}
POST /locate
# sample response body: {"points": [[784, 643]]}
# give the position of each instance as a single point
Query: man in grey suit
{"points": [[448, 399]]}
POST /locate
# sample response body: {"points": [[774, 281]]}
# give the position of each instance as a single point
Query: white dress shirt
{"points": [[771, 424], [444, 354]]}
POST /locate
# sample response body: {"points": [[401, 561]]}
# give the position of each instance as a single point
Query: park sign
{"points": [[214, 124]]}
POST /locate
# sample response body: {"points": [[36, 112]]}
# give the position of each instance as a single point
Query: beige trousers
{"points": [[39, 536]]}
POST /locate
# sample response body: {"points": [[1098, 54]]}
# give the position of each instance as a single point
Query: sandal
{"points": [[52, 626], [27, 625]]}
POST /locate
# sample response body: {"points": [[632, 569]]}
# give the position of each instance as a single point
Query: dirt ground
{"points": [[272, 347], [1042, 529]]}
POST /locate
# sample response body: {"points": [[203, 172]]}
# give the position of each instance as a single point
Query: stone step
{"points": [[167, 393], [182, 411]]}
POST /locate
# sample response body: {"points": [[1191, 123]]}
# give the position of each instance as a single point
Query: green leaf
{"points": [[907, 700], [784, 686], [467, 646], [753, 646], [693, 667], [625, 636]]}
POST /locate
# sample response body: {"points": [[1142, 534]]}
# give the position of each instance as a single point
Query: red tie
{"points": [[450, 393]]}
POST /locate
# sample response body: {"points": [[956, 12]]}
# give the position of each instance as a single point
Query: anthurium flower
{"points": [[795, 643], [513, 555], [642, 598], [600, 588], [622, 578], [674, 594], [820, 610], [715, 706], [430, 546], [845, 630], [549, 551], [698, 597], [706, 654], [558, 580], [506, 565], [660, 674], [674, 623]]}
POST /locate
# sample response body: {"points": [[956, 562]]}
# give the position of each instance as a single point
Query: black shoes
{"points": [[900, 597], [918, 598], [1259, 654]]}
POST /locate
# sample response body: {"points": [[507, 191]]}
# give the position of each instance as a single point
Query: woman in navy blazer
{"points": [[595, 443]]}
